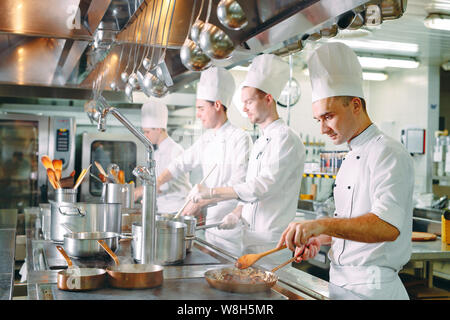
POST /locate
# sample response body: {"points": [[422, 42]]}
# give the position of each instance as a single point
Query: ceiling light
{"points": [[367, 75], [387, 62], [375, 76], [437, 21], [378, 45]]}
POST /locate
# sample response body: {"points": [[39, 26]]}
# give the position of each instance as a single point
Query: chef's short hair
{"points": [[347, 99], [212, 103]]}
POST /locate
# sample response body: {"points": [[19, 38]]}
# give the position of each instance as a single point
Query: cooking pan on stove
{"points": [[249, 280]]}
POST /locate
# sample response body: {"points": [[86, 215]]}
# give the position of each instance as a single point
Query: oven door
{"points": [[123, 149], [23, 140]]}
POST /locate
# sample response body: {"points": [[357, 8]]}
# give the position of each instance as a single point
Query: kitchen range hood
{"points": [[60, 49]]}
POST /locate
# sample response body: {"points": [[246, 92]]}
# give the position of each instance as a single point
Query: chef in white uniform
{"points": [[222, 144], [154, 116], [370, 233], [269, 195]]}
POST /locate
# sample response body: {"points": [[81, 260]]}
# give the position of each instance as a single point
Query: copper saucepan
{"points": [[249, 280], [79, 279], [132, 276]]}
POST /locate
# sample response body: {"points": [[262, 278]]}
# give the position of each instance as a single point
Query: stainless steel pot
{"points": [[85, 244], [190, 222], [170, 242], [84, 217]]}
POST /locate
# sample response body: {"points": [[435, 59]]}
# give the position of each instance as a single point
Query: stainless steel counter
{"points": [[8, 223], [183, 281]]}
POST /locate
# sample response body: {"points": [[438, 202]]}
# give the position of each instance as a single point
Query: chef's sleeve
{"points": [[392, 174], [283, 158], [239, 159], [186, 161]]}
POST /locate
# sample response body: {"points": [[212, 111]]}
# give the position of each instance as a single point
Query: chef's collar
{"points": [[221, 130], [363, 137], [272, 126], [162, 144]]}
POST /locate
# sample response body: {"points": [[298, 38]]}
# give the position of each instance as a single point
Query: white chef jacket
{"points": [[376, 176], [175, 191], [229, 148], [271, 188]]}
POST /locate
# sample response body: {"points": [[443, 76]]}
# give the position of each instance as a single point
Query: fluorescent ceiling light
{"points": [[367, 75], [383, 63], [438, 21], [378, 45], [240, 68], [375, 76]]}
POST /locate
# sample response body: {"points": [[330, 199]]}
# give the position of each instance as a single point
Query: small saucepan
{"points": [[132, 276], [79, 279], [85, 244]]}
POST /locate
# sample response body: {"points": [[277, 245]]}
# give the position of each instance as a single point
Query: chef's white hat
{"points": [[268, 73], [334, 70], [216, 83], [154, 114]]}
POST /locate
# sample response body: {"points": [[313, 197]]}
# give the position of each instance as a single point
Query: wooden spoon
{"points": [[249, 259], [100, 168], [114, 174], [81, 177], [47, 162], [57, 165], [52, 178], [121, 177]]}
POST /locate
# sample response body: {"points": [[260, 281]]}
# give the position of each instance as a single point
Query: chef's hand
{"points": [[230, 221], [158, 187], [199, 192], [192, 209], [307, 251], [298, 233]]}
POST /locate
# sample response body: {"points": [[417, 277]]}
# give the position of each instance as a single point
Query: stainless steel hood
{"points": [[50, 44]]}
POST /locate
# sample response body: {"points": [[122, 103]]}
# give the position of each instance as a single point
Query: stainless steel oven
{"points": [[123, 149], [24, 139]]}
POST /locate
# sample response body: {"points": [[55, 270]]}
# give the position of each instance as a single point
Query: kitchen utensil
{"points": [[132, 276], [215, 43], [47, 162], [103, 178], [187, 201], [81, 177], [95, 178], [57, 164], [100, 168], [445, 226], [79, 279], [114, 175], [154, 85], [423, 236], [52, 178], [213, 225], [66, 195], [111, 193], [196, 29], [231, 15], [121, 177], [193, 57], [247, 260], [67, 182], [85, 244], [171, 239], [250, 280], [84, 217]]}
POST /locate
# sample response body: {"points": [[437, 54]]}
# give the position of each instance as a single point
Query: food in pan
{"points": [[238, 276]]}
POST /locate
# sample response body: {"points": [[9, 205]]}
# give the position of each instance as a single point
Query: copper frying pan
{"points": [[249, 280], [79, 279], [132, 276]]}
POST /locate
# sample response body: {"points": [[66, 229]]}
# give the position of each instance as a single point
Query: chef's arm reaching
{"points": [[368, 228]]}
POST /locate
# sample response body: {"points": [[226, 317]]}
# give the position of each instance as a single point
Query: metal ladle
{"points": [[214, 42], [231, 15], [191, 55]]}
